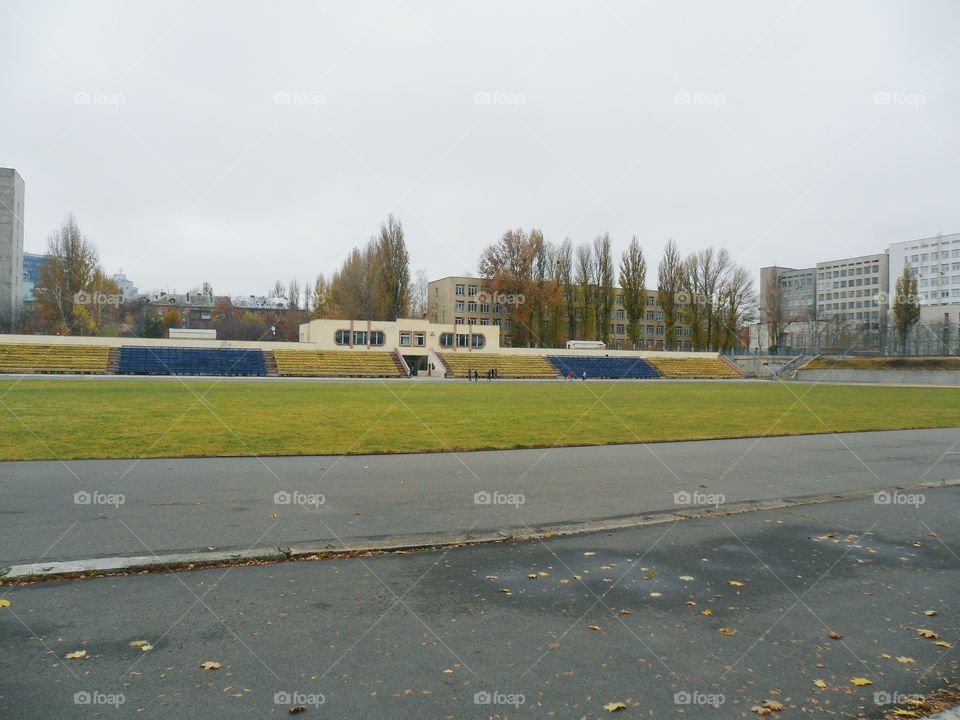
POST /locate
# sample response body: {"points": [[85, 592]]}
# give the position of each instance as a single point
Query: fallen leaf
{"points": [[708, 611], [905, 660], [943, 643], [729, 632], [735, 583], [505, 590], [588, 554], [625, 612], [593, 627], [929, 613], [834, 635], [139, 643], [656, 595], [686, 578], [820, 683], [210, 665], [76, 655], [4, 602], [900, 712], [760, 710], [490, 577], [532, 576], [929, 634], [297, 709], [614, 706], [860, 681], [773, 705]]}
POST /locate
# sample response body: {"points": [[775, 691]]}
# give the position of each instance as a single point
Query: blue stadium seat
{"points": [[138, 360], [616, 368]]}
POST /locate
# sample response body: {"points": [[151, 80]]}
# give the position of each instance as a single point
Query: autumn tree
{"points": [[583, 278], [513, 266], [563, 272], [633, 278], [391, 271], [906, 305], [669, 283], [603, 280]]}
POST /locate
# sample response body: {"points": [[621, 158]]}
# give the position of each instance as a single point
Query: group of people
{"points": [[474, 375]]}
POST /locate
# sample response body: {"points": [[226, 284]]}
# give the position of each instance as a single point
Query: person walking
{"points": [[584, 378]]}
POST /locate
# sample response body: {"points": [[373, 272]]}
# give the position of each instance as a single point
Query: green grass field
{"points": [[62, 419]]}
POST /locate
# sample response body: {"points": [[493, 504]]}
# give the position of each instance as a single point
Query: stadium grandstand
{"points": [[351, 349]]}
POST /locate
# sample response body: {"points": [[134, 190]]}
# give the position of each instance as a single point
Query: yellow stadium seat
{"points": [[85, 359]]}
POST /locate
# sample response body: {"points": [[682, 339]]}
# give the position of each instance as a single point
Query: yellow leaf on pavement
{"points": [[4, 602], [860, 681], [820, 683], [76, 655], [210, 665], [614, 706]]}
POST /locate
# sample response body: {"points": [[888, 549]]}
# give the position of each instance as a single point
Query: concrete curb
{"points": [[95, 567]]}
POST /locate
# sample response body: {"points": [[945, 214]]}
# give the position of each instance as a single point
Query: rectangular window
{"points": [[420, 339], [484, 307], [458, 321], [460, 289], [404, 339], [359, 337], [472, 291], [472, 306]]}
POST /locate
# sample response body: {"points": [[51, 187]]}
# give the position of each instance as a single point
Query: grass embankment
{"points": [[47, 419], [824, 362]]}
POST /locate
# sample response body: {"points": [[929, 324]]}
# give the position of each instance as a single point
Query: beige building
{"points": [[464, 300], [414, 339]]}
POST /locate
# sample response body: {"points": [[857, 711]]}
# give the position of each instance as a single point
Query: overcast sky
{"points": [[242, 142]]}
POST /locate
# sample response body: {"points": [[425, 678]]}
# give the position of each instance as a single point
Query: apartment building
{"points": [[936, 263], [854, 291], [465, 300]]}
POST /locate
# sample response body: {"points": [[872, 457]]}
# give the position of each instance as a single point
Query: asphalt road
{"points": [[606, 618], [231, 504]]}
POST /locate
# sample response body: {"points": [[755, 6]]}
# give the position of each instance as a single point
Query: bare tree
{"points": [[293, 295], [669, 279], [419, 295], [633, 278], [584, 280]]}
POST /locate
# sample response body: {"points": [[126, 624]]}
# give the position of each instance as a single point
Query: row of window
{"points": [[851, 283], [934, 282], [845, 272], [923, 257], [360, 337], [462, 340]]}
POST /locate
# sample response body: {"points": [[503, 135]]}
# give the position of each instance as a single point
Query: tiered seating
{"points": [[142, 360], [336, 363], [507, 366], [693, 367], [604, 367], [54, 358]]}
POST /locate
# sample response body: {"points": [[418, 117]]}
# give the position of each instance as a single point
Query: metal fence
{"points": [[924, 339]]}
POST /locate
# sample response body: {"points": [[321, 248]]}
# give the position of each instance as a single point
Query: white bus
{"points": [[585, 345]]}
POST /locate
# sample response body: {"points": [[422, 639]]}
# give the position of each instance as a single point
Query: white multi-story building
{"points": [[854, 291], [936, 263]]}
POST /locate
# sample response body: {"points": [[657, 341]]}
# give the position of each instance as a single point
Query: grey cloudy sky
{"points": [[242, 142]]}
